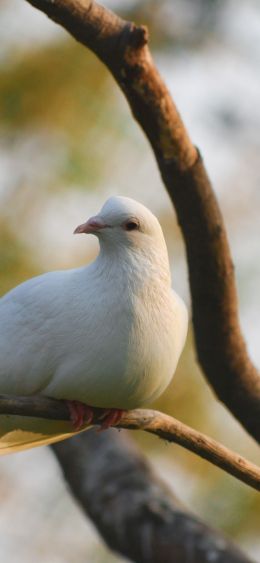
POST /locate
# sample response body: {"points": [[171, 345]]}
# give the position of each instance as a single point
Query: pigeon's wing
{"points": [[30, 316], [19, 433], [25, 348]]}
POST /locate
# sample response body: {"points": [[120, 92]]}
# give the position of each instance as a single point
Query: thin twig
{"points": [[151, 421]]}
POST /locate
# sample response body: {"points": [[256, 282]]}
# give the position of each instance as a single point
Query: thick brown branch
{"points": [[137, 515], [221, 348], [155, 422]]}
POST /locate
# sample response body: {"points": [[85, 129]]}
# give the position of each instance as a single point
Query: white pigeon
{"points": [[108, 334]]}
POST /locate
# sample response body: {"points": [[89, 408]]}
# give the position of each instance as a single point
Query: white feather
{"points": [[109, 334]]}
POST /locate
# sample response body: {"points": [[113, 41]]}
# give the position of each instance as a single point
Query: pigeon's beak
{"points": [[93, 225]]}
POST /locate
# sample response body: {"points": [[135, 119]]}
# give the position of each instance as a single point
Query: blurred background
{"points": [[67, 142]]}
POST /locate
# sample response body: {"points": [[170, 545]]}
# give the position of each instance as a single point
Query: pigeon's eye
{"points": [[131, 226]]}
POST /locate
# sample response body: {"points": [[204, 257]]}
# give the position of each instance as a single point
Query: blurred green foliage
{"points": [[57, 90], [15, 264], [52, 86]]}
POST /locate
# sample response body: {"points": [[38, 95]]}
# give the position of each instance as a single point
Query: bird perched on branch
{"points": [[107, 335]]}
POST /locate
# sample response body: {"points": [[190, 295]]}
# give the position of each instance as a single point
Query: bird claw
{"points": [[80, 414], [110, 417]]}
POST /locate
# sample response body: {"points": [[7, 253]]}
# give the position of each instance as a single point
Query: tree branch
{"points": [[137, 515], [154, 422], [221, 348]]}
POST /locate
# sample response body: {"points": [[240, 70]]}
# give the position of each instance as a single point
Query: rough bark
{"points": [[220, 344], [136, 514]]}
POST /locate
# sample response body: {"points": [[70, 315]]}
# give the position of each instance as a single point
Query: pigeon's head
{"points": [[124, 221]]}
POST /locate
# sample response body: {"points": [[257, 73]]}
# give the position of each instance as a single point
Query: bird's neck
{"points": [[136, 266]]}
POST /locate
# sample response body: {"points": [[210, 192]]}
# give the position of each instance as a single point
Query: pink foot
{"points": [[80, 414], [110, 418]]}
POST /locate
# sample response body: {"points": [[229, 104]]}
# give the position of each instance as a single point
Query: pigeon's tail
{"points": [[18, 433]]}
